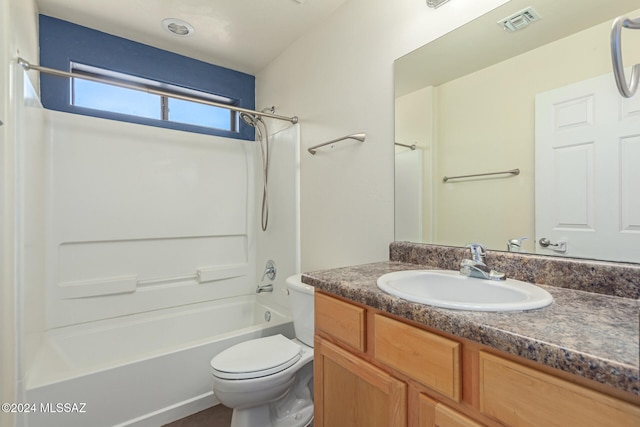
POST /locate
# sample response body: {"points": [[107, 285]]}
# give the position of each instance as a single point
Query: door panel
{"points": [[587, 181]]}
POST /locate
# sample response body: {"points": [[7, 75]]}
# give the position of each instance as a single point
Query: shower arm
{"points": [[52, 71]]}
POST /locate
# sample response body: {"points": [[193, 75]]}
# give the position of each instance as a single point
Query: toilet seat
{"points": [[256, 358]]}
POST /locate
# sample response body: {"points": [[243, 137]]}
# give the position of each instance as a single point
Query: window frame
{"points": [[63, 43], [107, 76]]}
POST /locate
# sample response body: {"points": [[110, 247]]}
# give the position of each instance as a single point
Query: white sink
{"points": [[450, 289]]}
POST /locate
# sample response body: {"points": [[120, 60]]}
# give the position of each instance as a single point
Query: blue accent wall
{"points": [[62, 42]]}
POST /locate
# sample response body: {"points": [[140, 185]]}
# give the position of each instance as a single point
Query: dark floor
{"points": [[216, 416]]}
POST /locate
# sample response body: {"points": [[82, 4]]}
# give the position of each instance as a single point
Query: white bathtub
{"points": [[141, 370]]}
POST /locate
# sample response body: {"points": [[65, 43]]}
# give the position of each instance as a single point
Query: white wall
{"points": [[338, 78], [7, 290], [18, 36]]}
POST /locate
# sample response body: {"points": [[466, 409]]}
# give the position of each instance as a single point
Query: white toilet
{"points": [[268, 382]]}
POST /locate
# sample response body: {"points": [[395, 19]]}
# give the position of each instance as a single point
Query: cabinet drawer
{"points": [[341, 320], [520, 396], [428, 358]]}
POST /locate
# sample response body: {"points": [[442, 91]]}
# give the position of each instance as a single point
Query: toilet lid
{"points": [[256, 358]]}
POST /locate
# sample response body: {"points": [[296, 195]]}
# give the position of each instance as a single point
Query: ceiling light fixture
{"points": [[178, 27], [436, 3], [519, 20]]}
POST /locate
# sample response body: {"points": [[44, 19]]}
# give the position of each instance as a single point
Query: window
{"points": [[115, 99], [81, 50]]}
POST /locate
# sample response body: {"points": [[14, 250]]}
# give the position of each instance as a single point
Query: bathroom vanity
{"points": [[383, 361]]}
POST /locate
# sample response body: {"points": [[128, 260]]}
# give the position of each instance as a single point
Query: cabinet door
{"points": [[426, 411], [350, 392], [447, 417], [434, 414], [523, 397]]}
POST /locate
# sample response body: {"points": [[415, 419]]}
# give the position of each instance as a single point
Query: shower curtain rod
{"points": [[28, 66]]}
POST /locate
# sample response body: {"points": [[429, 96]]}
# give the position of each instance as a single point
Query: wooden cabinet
{"points": [[520, 396], [428, 358], [352, 393], [374, 370]]}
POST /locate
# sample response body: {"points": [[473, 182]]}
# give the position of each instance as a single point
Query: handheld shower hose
{"points": [[263, 139]]}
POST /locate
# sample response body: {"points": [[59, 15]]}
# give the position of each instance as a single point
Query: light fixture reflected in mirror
{"points": [[436, 3]]}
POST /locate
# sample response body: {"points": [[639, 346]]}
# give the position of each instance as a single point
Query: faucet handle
{"points": [[478, 252], [269, 271], [515, 245]]}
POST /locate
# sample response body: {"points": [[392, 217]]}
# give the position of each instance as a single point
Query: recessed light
{"points": [[178, 27]]}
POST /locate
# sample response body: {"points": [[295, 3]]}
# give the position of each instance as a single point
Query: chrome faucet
{"points": [[515, 245], [264, 288], [477, 266]]}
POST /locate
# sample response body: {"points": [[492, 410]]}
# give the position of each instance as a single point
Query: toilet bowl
{"points": [[268, 382]]}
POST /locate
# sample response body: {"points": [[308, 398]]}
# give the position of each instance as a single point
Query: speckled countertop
{"points": [[592, 335]]}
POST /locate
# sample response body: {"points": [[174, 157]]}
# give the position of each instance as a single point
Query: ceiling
{"points": [[483, 42], [244, 35]]}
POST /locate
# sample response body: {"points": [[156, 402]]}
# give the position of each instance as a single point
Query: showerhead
{"points": [[249, 119], [252, 120]]}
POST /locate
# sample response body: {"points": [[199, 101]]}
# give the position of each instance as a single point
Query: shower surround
{"points": [[123, 221]]}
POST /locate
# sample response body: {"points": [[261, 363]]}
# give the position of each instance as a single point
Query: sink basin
{"points": [[450, 289]]}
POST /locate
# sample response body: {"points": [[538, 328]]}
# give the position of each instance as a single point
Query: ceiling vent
{"points": [[519, 20], [436, 3]]}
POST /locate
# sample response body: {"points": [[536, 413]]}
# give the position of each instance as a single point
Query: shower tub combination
{"points": [[141, 370]]}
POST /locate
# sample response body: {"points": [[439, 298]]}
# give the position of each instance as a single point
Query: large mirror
{"points": [[527, 107]]}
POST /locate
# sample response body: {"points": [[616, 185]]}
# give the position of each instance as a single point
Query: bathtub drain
{"points": [[267, 315]]}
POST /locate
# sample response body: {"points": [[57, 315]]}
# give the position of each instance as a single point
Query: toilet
{"points": [[268, 382]]}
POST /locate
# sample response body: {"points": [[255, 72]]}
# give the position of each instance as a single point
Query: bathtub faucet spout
{"points": [[264, 288]]}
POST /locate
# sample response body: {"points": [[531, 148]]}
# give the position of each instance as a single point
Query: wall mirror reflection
{"points": [[541, 99]]}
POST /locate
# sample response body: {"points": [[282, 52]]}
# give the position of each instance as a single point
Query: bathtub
{"points": [[141, 370]]}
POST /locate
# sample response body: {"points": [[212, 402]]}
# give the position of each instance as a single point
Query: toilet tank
{"points": [[301, 301]]}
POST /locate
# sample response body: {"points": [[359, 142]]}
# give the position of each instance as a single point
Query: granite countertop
{"points": [[592, 335]]}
